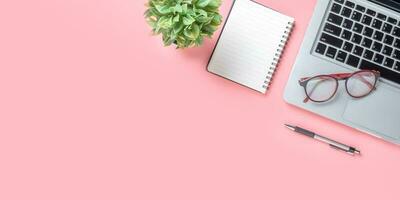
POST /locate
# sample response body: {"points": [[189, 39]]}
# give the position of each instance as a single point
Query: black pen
{"points": [[332, 143]]}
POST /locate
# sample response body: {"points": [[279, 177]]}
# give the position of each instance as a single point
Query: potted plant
{"points": [[184, 23]]}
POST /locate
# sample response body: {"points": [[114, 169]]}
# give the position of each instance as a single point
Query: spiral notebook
{"points": [[250, 45]]}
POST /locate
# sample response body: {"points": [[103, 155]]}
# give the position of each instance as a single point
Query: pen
{"points": [[332, 143]]}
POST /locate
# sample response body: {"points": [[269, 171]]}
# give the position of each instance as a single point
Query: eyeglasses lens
{"points": [[321, 88], [361, 84]]}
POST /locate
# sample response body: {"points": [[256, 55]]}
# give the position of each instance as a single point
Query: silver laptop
{"points": [[347, 36]]}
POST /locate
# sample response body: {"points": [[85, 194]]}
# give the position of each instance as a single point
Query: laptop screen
{"points": [[393, 4]]}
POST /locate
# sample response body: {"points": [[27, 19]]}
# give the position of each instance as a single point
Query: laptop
{"points": [[347, 36]]}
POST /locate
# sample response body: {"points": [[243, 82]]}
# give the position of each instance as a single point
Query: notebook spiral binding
{"points": [[277, 55]]}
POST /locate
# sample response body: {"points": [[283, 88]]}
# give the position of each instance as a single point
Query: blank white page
{"points": [[249, 44]]}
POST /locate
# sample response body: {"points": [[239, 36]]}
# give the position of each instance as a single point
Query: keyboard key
{"points": [[346, 12], [347, 24], [388, 40], [346, 34], [377, 24], [368, 31], [348, 46], [387, 28], [397, 43], [332, 29], [350, 4], [368, 54], [336, 8], [378, 36], [356, 38], [356, 16], [358, 27], [331, 53], [335, 19], [397, 66], [378, 58], [371, 12], [388, 62], [353, 61], [336, 42], [377, 46], [385, 73], [321, 48], [366, 20], [340, 1], [341, 56], [381, 16], [396, 54], [360, 8], [392, 21], [358, 51], [366, 43], [396, 31], [387, 50]]}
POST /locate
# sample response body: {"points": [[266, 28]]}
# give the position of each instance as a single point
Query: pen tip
{"points": [[290, 127]]}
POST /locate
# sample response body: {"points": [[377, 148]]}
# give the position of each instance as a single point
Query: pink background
{"points": [[92, 106]]}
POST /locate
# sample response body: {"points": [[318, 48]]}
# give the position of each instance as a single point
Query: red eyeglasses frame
{"points": [[339, 77]]}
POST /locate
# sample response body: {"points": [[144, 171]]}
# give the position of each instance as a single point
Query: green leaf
{"points": [[201, 12], [178, 27], [168, 39], [203, 3], [181, 41], [188, 20], [152, 22], [176, 18], [150, 13], [163, 9], [165, 22], [184, 8], [204, 20], [191, 12], [214, 4], [217, 19], [192, 32], [178, 8], [209, 29], [199, 41]]}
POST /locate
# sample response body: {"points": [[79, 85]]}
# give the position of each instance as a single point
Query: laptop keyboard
{"points": [[362, 38]]}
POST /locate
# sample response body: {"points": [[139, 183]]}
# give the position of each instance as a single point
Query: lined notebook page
{"points": [[248, 45]]}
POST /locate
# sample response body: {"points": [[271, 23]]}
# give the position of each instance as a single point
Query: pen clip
{"points": [[340, 149]]}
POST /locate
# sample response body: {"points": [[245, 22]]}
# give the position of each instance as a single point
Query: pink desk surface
{"points": [[94, 107]]}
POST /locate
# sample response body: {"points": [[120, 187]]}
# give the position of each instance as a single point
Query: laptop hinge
{"points": [[388, 4]]}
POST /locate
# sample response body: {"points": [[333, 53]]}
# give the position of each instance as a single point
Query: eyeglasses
{"points": [[323, 88]]}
